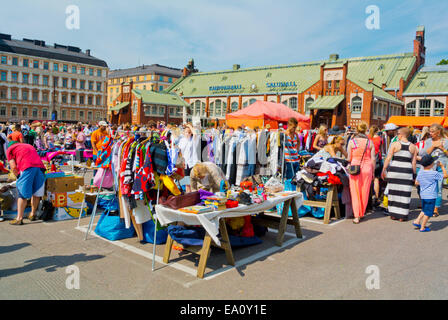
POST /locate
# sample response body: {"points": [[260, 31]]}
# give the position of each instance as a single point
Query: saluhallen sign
{"points": [[281, 84]]}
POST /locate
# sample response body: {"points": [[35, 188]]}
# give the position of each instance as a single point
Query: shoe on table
{"points": [[16, 222]]}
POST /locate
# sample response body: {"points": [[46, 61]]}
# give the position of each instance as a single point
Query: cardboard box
{"points": [[66, 199], [64, 184], [68, 213]]}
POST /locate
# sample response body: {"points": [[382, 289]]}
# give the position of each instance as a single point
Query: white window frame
{"points": [[356, 108]]}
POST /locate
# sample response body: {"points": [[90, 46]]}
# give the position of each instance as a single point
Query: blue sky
{"points": [[218, 34]]}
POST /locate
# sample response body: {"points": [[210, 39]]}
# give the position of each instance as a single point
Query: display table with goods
{"points": [[319, 180], [218, 210]]}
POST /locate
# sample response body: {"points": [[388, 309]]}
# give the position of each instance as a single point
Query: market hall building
{"points": [[136, 106], [334, 92]]}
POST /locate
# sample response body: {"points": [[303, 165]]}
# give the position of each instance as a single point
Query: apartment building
{"points": [[44, 82]]}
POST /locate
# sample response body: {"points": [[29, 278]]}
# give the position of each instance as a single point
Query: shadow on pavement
{"points": [[14, 247], [50, 263], [437, 225]]}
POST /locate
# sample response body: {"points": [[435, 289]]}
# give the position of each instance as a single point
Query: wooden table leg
{"points": [[225, 242], [328, 205], [205, 252], [283, 222], [337, 210], [168, 247], [295, 218], [138, 227]]}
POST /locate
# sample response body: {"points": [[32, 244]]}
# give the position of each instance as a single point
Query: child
{"points": [[428, 180]]}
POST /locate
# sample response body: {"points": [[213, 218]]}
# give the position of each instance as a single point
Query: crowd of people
{"points": [[384, 164]]}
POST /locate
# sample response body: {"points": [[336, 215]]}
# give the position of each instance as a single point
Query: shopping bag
{"points": [[113, 228], [148, 233], [108, 181]]}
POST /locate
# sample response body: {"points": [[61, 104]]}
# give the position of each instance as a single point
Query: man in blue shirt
{"points": [[428, 179]]}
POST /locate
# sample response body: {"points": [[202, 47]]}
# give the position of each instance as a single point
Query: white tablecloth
{"points": [[210, 220]]}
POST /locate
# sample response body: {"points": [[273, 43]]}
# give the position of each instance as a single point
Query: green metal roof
{"points": [[327, 102], [377, 92], [385, 69], [160, 98], [429, 80], [119, 106]]}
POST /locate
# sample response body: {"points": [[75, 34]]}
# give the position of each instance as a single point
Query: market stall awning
{"points": [[119, 106], [327, 102], [404, 121]]}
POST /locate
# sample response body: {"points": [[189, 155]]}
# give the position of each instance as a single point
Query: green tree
{"points": [[443, 62]]}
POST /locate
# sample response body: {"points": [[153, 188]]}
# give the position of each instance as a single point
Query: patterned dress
{"points": [[400, 181]]}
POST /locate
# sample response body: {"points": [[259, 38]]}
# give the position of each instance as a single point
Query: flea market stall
{"points": [[261, 113]]}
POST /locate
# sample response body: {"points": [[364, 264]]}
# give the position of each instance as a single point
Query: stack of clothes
{"points": [[315, 178]]}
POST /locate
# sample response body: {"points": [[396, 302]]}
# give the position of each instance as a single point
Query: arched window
{"points": [[45, 113], [197, 108], [245, 104], [234, 106], [203, 114], [356, 105], [218, 107], [14, 112], [35, 113], [285, 102], [439, 108], [308, 102], [251, 101], [211, 109], [293, 103]]}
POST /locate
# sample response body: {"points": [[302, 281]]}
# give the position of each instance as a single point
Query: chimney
{"points": [[185, 72], [370, 79], [419, 45], [334, 57], [88, 52], [236, 67]]}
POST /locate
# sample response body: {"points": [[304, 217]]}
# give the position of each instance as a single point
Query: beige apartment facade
{"points": [[43, 82]]}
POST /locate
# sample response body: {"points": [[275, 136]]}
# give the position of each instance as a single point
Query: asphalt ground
{"points": [[377, 259]]}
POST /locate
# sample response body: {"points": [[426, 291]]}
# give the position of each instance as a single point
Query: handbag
{"points": [[108, 181], [181, 201], [113, 227], [354, 170]]}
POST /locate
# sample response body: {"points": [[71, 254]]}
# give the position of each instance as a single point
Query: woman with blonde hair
{"points": [[361, 152], [437, 146], [321, 139], [335, 149], [400, 166], [207, 176]]}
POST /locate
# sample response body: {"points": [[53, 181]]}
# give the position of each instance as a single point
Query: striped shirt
{"points": [[291, 153], [428, 180]]}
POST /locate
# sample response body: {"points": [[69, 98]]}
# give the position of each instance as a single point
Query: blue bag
{"points": [[148, 233], [113, 228], [191, 236]]}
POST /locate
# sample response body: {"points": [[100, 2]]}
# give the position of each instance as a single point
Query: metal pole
{"points": [[283, 156], [155, 230], [95, 206]]}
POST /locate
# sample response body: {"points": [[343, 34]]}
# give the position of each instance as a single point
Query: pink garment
{"points": [[25, 156], [360, 184], [82, 137]]}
